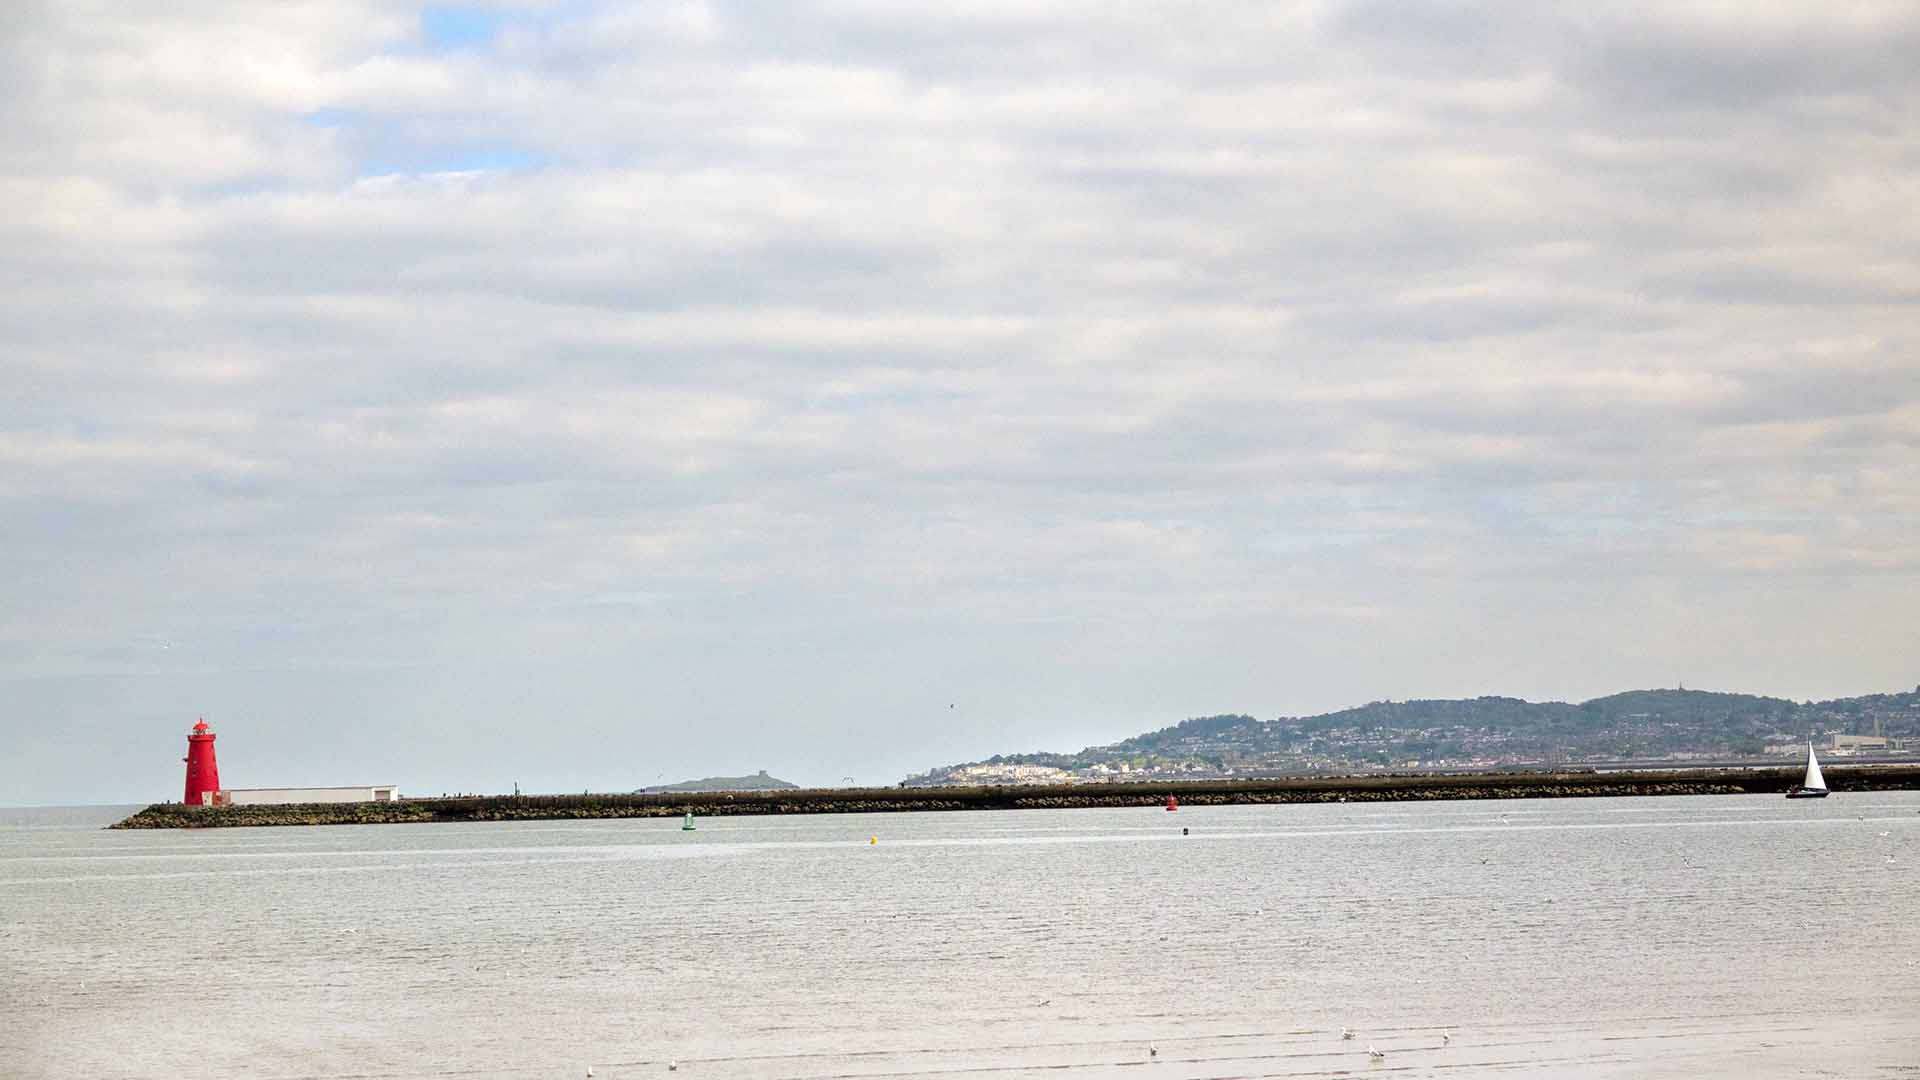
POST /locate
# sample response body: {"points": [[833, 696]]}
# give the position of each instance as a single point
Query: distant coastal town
{"points": [[1641, 727]]}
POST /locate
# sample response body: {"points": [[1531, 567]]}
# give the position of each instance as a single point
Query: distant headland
{"points": [[1644, 727], [759, 781]]}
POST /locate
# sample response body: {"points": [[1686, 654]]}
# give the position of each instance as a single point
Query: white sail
{"points": [[1814, 780]]}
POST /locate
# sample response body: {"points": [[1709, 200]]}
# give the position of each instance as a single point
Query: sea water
{"points": [[1736, 936]]}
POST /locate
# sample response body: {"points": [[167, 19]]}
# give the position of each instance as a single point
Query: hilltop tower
{"points": [[203, 772]]}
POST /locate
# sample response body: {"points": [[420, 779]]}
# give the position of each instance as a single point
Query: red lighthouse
{"points": [[203, 773]]}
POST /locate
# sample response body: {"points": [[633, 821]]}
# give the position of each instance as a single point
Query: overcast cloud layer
{"points": [[578, 396]]}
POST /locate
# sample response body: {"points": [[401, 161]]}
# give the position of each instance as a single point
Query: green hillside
{"points": [[1485, 731]]}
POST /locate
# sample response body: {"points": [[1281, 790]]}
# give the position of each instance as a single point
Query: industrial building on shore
{"points": [[282, 796]]}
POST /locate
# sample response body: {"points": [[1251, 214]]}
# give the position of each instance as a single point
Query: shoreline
{"points": [[1396, 787]]}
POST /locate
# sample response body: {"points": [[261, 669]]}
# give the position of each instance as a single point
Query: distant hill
{"points": [[759, 781], [1473, 732]]}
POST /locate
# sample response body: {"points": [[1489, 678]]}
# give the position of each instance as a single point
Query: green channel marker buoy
{"points": [[687, 826]]}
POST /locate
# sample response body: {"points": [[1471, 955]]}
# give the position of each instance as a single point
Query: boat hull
{"points": [[1807, 793]]}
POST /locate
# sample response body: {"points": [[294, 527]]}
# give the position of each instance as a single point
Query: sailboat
{"points": [[1815, 785]]}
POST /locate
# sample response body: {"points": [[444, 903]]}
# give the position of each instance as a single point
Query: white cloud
{"points": [[682, 341]]}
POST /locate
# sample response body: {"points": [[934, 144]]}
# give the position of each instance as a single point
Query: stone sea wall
{"points": [[1388, 788]]}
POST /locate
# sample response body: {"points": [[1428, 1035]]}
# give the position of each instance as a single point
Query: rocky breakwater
{"points": [[180, 816], [1372, 788]]}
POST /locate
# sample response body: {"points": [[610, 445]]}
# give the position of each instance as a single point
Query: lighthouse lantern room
{"points": [[203, 772]]}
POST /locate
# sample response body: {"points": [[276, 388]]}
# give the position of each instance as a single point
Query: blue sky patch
{"points": [[330, 117], [458, 28], [445, 159]]}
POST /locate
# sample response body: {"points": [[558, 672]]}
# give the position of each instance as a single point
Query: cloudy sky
{"points": [[579, 395]]}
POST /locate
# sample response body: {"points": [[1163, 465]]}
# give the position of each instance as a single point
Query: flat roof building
{"points": [[285, 796], [1847, 743]]}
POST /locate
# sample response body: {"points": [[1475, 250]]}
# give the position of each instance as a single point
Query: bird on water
{"points": [[1346, 1033], [1377, 1055], [1152, 1050]]}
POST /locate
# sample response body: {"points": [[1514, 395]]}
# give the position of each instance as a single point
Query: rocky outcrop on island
{"points": [[759, 781]]}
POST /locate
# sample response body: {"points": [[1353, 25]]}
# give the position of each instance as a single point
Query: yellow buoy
{"points": [[873, 839]]}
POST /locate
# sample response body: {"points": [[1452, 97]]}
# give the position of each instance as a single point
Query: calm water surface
{"points": [[1739, 936]]}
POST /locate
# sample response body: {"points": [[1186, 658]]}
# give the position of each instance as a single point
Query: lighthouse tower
{"points": [[203, 773]]}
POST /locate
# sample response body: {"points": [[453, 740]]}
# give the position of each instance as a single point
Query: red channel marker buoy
{"points": [[1172, 804]]}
